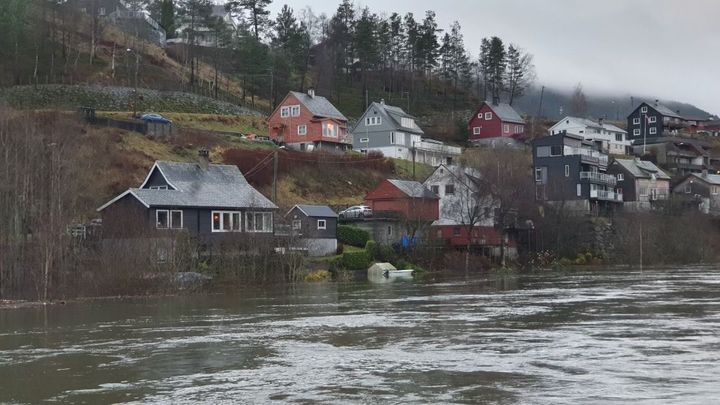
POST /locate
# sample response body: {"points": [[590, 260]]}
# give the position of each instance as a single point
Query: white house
{"points": [[610, 139], [457, 187]]}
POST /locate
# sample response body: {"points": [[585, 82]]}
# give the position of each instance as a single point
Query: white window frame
{"points": [[653, 131], [171, 222], [620, 177], [233, 227], [636, 132], [488, 116], [326, 131], [476, 130], [295, 110], [652, 119], [506, 128], [284, 112], [267, 219], [296, 224], [302, 127], [538, 174], [372, 121], [567, 170], [364, 140], [157, 219], [636, 121], [158, 188], [321, 224], [578, 190], [643, 109]]}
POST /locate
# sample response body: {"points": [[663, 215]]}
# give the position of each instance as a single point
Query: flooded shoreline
{"points": [[573, 337]]}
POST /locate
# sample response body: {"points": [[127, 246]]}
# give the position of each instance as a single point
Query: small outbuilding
{"points": [[316, 228]]}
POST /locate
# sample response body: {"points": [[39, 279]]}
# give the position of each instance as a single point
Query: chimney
{"points": [[204, 157], [657, 102], [311, 92], [382, 101]]}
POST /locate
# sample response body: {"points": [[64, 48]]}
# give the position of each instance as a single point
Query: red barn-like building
{"points": [[496, 120], [308, 122], [409, 199]]}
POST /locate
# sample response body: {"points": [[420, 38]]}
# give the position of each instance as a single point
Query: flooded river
{"points": [[575, 338]]}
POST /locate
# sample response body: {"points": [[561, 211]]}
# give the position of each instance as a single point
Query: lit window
{"points": [[226, 221], [476, 131], [330, 129], [321, 224], [162, 220], [302, 129], [488, 116]]}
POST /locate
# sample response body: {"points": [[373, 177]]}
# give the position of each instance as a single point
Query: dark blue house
{"points": [[571, 173], [210, 202], [653, 121]]}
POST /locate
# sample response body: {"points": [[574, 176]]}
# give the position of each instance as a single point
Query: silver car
{"points": [[356, 211]]}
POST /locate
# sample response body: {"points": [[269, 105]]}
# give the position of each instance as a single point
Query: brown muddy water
{"points": [[552, 338]]}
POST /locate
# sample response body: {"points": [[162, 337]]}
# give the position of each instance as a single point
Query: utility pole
{"points": [[413, 153], [275, 170], [542, 93]]}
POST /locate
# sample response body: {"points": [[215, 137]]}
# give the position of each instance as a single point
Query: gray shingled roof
{"points": [[708, 178], [319, 106], [413, 189], [665, 110], [218, 186], [642, 169], [317, 211], [506, 112], [397, 114]]}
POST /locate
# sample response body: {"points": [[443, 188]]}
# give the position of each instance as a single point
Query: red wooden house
{"points": [[496, 120], [308, 122], [407, 199]]}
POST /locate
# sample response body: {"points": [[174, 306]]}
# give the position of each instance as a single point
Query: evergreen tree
{"points": [[520, 72], [484, 66], [494, 60], [342, 32], [429, 46], [257, 14], [412, 44]]}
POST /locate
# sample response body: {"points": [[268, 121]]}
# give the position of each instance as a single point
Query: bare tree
{"points": [[579, 102]]}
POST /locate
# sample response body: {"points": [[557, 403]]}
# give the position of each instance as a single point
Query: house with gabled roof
{"points": [[406, 199], [609, 138], [207, 201], [642, 182], [495, 120], [314, 227], [654, 120], [701, 188], [394, 133], [308, 122]]}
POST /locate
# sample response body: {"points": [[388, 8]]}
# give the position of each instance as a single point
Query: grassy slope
{"points": [[207, 122]]}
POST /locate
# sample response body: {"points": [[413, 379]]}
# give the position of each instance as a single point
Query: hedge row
{"points": [[356, 260], [352, 236]]}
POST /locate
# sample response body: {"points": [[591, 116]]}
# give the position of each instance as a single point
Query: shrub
{"points": [[356, 260], [372, 249], [318, 275], [352, 236]]}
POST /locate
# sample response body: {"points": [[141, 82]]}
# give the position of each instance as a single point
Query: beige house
{"points": [[643, 184]]}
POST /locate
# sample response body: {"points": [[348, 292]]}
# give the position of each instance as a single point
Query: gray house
{"points": [[316, 227], [395, 133], [212, 203]]}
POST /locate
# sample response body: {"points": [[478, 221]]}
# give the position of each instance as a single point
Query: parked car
{"points": [[157, 118], [356, 211]]}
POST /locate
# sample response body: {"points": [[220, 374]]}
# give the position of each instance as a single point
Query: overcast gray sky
{"points": [[667, 49]]}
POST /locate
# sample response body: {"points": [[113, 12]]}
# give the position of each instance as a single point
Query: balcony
{"points": [[599, 178], [587, 155], [653, 194], [606, 195]]}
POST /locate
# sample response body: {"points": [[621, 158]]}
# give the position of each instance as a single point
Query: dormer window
{"points": [[158, 187]]}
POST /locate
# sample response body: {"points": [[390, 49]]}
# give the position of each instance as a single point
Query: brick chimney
{"points": [[204, 158]]}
